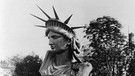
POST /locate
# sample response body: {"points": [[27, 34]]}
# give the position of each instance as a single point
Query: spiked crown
{"points": [[56, 25]]}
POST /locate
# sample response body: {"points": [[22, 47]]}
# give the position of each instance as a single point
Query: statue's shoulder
{"points": [[83, 68], [46, 62]]}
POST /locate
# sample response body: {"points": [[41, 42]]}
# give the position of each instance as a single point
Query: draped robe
{"points": [[48, 68]]}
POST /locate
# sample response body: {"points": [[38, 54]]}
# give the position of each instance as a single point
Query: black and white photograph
{"points": [[67, 38]]}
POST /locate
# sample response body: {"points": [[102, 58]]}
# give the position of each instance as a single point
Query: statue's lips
{"points": [[52, 47]]}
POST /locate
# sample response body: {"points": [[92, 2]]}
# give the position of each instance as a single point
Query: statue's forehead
{"points": [[52, 33]]}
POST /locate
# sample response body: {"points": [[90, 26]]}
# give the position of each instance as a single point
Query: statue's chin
{"points": [[53, 50]]}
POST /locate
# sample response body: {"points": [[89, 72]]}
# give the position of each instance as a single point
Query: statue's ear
{"points": [[69, 42]]}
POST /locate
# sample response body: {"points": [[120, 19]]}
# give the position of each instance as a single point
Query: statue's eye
{"points": [[55, 37]]}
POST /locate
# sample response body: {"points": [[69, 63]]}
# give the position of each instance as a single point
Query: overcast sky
{"points": [[18, 35]]}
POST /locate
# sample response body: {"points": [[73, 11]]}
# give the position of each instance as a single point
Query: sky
{"points": [[18, 35]]}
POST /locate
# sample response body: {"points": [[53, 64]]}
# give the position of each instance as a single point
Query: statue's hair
{"points": [[48, 30]]}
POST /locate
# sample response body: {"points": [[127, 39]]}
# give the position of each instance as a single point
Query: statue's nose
{"points": [[50, 42]]}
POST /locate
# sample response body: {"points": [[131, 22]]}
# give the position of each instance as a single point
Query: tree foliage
{"points": [[107, 42], [8, 65], [130, 51], [28, 66]]}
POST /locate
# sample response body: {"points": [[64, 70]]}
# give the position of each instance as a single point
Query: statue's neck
{"points": [[63, 58]]}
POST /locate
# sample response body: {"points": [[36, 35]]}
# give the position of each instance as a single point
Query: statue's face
{"points": [[57, 42]]}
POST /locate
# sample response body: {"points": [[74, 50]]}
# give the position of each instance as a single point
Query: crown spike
{"points": [[39, 18], [68, 19], [56, 16], [40, 26], [77, 27], [44, 12]]}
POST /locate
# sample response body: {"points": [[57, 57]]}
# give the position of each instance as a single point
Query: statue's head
{"points": [[59, 32]]}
